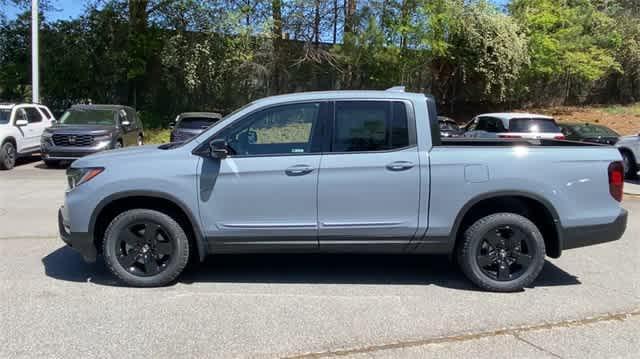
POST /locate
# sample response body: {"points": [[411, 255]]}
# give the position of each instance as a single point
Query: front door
{"points": [[264, 194], [369, 184]]}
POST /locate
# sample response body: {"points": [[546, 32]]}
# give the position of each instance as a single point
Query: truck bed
{"points": [[507, 142]]}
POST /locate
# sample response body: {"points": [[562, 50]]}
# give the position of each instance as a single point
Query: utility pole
{"points": [[35, 58]]}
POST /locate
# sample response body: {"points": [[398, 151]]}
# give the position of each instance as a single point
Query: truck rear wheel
{"points": [[145, 248], [502, 252]]}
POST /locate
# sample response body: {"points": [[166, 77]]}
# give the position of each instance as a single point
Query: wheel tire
{"points": [[140, 141], [52, 163], [112, 248], [8, 156], [630, 169], [474, 240], [117, 145]]}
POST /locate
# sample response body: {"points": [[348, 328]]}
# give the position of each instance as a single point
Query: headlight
{"points": [[46, 135], [78, 176], [102, 138]]}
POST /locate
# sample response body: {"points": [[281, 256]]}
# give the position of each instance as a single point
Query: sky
{"points": [[65, 9]]}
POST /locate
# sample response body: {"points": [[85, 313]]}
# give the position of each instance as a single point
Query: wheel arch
{"points": [[117, 203], [12, 140], [539, 210]]}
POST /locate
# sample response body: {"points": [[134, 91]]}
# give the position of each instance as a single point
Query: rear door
{"points": [[368, 187]]}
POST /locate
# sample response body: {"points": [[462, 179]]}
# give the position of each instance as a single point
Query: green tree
{"points": [[572, 45]]}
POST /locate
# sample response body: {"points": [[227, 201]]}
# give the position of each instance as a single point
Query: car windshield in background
{"points": [[4, 116], [448, 126], [533, 125], [196, 123], [88, 117], [594, 131]]}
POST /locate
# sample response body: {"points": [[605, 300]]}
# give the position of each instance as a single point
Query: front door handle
{"points": [[400, 166], [298, 170]]}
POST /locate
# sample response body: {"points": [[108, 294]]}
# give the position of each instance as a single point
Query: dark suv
{"points": [[87, 129], [190, 124]]}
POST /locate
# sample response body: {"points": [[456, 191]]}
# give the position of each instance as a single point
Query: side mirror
{"points": [[125, 123], [21, 122], [218, 149]]}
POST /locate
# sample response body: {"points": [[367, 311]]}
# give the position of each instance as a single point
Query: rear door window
{"points": [[33, 115], [533, 125], [362, 126], [46, 112]]}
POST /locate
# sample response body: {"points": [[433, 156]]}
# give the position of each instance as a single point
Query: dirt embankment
{"points": [[623, 119]]}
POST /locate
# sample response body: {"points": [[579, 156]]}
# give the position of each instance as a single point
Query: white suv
{"points": [[21, 126], [630, 149]]}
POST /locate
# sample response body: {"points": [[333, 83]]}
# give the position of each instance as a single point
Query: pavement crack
{"points": [[546, 351], [514, 331]]}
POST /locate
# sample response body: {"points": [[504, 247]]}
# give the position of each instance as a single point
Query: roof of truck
{"points": [[346, 94]]}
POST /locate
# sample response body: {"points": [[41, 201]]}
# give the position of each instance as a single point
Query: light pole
{"points": [[35, 68]]}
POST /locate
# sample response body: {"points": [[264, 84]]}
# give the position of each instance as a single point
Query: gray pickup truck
{"points": [[345, 171]]}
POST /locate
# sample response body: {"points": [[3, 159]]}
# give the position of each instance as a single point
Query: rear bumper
{"points": [[576, 237], [81, 242]]}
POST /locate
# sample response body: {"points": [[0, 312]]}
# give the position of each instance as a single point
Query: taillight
{"points": [[560, 137], [616, 180], [509, 136]]}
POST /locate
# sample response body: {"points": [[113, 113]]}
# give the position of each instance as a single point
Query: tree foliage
{"points": [[168, 56]]}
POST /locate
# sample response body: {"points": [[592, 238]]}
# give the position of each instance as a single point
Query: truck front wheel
{"points": [[145, 248], [502, 252]]}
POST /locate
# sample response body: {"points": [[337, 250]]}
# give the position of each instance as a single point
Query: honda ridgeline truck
{"points": [[345, 171]]}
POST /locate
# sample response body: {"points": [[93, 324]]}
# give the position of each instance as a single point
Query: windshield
{"points": [[533, 125], [5, 115], [196, 123], [594, 131], [88, 117], [448, 126]]}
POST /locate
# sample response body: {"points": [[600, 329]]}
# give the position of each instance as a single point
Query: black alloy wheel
{"points": [[145, 248], [505, 253], [502, 252]]}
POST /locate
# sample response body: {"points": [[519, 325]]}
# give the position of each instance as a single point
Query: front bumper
{"points": [[53, 152], [81, 242], [576, 237]]}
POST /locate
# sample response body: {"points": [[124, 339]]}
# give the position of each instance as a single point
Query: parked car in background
{"points": [[21, 126], [513, 125], [343, 171], [87, 129], [586, 132], [449, 127], [190, 124], [629, 147]]}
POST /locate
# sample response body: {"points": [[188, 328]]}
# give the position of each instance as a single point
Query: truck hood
{"points": [[81, 129], [128, 154]]}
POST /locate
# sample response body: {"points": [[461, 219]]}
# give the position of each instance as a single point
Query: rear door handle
{"points": [[400, 166], [298, 170]]}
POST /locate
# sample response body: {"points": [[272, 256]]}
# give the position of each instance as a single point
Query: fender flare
{"points": [[199, 238], [515, 193]]}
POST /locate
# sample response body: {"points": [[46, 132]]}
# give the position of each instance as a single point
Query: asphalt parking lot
{"points": [[55, 305]]}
